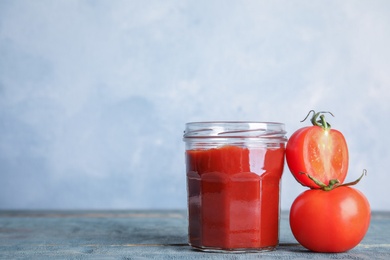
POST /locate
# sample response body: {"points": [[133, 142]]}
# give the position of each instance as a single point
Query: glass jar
{"points": [[233, 184]]}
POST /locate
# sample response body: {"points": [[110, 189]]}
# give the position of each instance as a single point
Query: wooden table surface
{"points": [[147, 235]]}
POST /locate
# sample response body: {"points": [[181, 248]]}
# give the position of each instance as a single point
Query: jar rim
{"points": [[235, 129]]}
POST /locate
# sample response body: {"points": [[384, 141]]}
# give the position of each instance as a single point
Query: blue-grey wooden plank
{"points": [[146, 235]]}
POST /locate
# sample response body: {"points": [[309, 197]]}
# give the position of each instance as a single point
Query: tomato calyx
{"points": [[334, 183], [321, 121]]}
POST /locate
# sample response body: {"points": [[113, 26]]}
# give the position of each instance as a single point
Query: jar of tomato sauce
{"points": [[233, 184]]}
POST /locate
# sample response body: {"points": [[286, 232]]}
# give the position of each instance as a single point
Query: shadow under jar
{"points": [[234, 171]]}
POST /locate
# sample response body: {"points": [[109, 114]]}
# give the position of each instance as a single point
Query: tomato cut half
{"points": [[318, 152]]}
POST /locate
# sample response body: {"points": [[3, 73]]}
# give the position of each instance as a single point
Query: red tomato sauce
{"points": [[233, 197]]}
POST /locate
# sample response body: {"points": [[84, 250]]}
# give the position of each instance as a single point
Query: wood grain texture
{"points": [[146, 235]]}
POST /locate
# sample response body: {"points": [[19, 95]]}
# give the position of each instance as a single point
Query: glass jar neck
{"points": [[242, 133]]}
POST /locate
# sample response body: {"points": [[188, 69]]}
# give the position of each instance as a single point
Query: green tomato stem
{"points": [[356, 181], [319, 122], [334, 183]]}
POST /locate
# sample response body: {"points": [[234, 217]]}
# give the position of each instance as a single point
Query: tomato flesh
{"points": [[330, 221], [323, 154]]}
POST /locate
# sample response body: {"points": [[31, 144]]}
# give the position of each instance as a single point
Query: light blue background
{"points": [[94, 95]]}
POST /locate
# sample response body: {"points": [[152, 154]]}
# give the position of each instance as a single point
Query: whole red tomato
{"points": [[318, 151], [330, 221]]}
